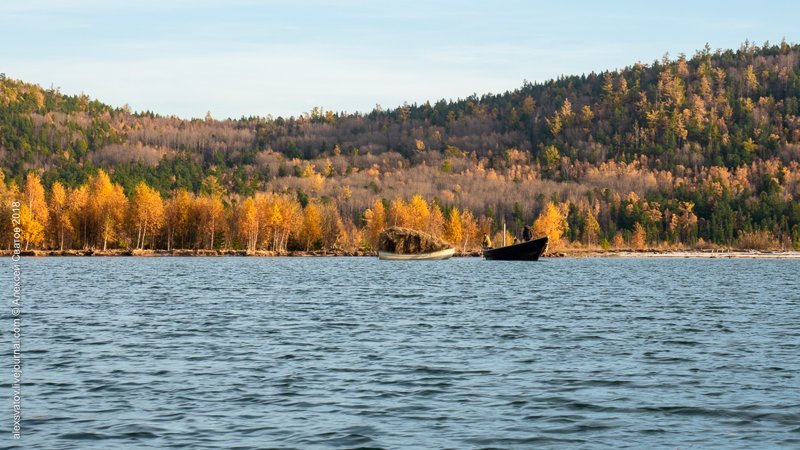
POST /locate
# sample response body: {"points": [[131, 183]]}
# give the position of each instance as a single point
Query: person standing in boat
{"points": [[527, 233], [487, 243]]}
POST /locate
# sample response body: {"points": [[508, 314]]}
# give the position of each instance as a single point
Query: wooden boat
{"points": [[432, 256], [411, 245], [523, 251]]}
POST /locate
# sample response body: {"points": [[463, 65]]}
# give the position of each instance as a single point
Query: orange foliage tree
{"points": [[146, 213], [107, 204], [312, 225], [34, 220], [60, 224], [375, 219], [178, 215], [210, 214], [248, 223], [552, 222], [453, 231]]}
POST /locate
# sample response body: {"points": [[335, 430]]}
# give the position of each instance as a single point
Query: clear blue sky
{"points": [[242, 57]]}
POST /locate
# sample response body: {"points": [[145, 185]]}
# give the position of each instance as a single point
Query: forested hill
{"points": [[724, 108], [672, 137]]}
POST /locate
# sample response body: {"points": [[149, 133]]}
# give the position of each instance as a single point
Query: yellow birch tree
{"points": [[32, 229], [418, 213], [552, 222], [177, 217], [249, 223], [80, 214], [453, 232], [34, 199], [60, 223], [146, 213], [210, 214], [470, 231], [108, 205], [312, 225], [376, 222]]}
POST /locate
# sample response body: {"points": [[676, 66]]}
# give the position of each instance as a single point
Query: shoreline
{"points": [[564, 253], [684, 253]]}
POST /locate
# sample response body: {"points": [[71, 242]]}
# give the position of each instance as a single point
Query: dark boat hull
{"points": [[524, 251]]}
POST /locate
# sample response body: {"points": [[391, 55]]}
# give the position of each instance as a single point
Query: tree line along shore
{"points": [[98, 218]]}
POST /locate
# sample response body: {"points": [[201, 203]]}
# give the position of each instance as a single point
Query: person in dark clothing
{"points": [[527, 233]]}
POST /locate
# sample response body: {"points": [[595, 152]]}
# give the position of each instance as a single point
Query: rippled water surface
{"points": [[359, 353]]}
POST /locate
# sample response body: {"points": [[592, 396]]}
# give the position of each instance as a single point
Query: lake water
{"points": [[359, 353]]}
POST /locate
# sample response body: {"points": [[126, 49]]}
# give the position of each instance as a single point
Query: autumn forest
{"points": [[686, 152]]}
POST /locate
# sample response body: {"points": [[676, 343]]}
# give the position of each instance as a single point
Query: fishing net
{"points": [[405, 241]]}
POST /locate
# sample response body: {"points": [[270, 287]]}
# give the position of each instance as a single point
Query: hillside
{"points": [[675, 151]]}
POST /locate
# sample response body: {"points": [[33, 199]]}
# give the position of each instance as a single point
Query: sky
{"points": [[245, 57]]}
